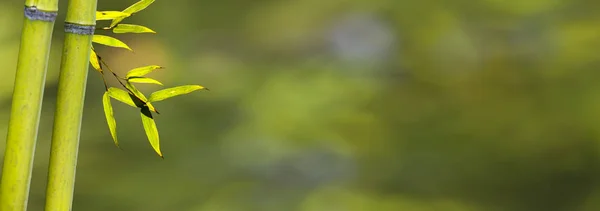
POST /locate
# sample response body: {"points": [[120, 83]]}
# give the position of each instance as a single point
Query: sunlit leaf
{"points": [[109, 41], [94, 61], [123, 96], [130, 28], [140, 96], [172, 92], [115, 22], [110, 119], [136, 92], [141, 71], [144, 80], [151, 130], [138, 6], [110, 15]]}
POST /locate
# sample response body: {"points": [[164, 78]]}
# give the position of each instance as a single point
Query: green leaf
{"points": [[138, 6], [109, 41], [144, 80], [124, 97], [172, 92], [136, 92], [110, 119], [151, 130], [94, 61], [130, 28], [141, 71], [110, 15], [140, 96]]}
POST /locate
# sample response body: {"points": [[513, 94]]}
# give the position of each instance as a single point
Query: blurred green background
{"points": [[342, 105]]}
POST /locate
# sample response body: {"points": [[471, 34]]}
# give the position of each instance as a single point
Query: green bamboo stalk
{"points": [[79, 29], [26, 103]]}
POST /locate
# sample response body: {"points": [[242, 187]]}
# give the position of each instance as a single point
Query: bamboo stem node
{"points": [[79, 28], [33, 13]]}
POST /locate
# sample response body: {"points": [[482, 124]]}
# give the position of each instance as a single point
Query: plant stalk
{"points": [[26, 103], [79, 29]]}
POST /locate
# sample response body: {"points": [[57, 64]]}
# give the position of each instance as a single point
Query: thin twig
{"points": [[114, 74], [102, 74], [119, 80]]}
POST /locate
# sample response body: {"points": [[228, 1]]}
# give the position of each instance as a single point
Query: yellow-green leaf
{"points": [[140, 96], [138, 6], [110, 15], [109, 41], [151, 130], [110, 119], [115, 22], [141, 71], [144, 80], [130, 28], [136, 92], [123, 96], [172, 92], [94, 61]]}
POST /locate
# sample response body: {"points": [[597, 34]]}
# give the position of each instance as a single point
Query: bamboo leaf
{"points": [[110, 119], [110, 15], [172, 92], [140, 96], [123, 96], [136, 92], [141, 71], [130, 28], [109, 41], [94, 61], [151, 130], [144, 80], [138, 6]]}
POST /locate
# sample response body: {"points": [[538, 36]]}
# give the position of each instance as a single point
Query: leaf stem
{"points": [[119, 80]]}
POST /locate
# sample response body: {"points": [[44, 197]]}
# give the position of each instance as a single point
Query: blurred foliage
{"points": [[345, 105]]}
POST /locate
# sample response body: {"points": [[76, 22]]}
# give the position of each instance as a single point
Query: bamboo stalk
{"points": [[26, 103], [79, 28]]}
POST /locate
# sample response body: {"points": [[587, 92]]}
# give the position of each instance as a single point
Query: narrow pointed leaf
{"points": [[110, 15], [144, 80], [123, 96], [141, 71], [140, 96], [172, 92], [138, 6], [94, 61], [130, 28], [115, 22], [109, 41], [136, 92], [151, 130], [110, 119]]}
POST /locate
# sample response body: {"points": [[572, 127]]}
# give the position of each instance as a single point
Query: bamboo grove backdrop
{"points": [[342, 104]]}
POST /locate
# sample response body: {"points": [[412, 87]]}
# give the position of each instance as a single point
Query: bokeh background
{"points": [[341, 105]]}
